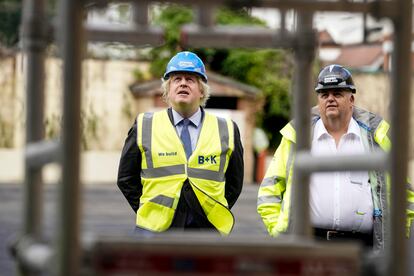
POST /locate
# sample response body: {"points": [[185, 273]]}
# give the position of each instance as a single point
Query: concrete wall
{"points": [[108, 109]]}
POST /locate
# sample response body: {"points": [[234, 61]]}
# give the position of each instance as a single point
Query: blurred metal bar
{"points": [[41, 153], [205, 15], [382, 8], [400, 117], [230, 37], [304, 56], [138, 35], [33, 255], [72, 43], [364, 27], [140, 13], [309, 163], [283, 29], [232, 255], [34, 40]]}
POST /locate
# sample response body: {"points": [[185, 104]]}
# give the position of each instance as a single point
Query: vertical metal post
{"points": [[304, 55], [205, 15], [140, 13], [72, 47], [364, 26], [283, 22], [401, 92], [34, 44]]}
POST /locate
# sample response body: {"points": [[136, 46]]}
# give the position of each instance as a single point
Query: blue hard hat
{"points": [[335, 76], [186, 62]]}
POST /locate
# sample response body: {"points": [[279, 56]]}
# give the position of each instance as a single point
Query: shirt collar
{"points": [[195, 119], [353, 128], [320, 129]]}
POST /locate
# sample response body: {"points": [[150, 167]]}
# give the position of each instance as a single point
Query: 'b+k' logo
{"points": [[207, 159]]}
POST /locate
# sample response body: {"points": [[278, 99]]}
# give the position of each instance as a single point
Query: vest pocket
{"points": [[218, 214], [156, 214], [221, 218]]}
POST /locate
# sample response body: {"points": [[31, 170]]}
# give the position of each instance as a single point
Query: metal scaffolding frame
{"points": [[33, 256]]}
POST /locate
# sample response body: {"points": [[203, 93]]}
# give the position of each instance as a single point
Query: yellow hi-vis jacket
{"points": [[165, 169], [274, 196]]}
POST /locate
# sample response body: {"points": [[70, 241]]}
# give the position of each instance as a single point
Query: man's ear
{"points": [[352, 98]]}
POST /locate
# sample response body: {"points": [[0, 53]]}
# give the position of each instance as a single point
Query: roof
{"points": [[325, 38], [219, 86], [362, 57]]}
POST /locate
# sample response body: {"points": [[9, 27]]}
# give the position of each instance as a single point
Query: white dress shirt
{"points": [[193, 129], [340, 200]]}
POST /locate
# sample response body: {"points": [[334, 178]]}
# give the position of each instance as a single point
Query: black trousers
{"points": [[189, 213]]}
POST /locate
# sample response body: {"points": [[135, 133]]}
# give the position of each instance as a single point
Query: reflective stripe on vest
{"points": [[162, 200]]}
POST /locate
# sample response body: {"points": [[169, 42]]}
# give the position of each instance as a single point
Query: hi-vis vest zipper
{"points": [[165, 169]]}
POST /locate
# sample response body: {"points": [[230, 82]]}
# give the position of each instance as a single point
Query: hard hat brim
{"points": [[321, 88], [189, 71]]}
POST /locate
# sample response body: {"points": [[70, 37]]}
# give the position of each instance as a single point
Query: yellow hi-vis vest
{"points": [[165, 168], [273, 203]]}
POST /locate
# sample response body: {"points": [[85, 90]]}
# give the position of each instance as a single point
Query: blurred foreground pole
{"points": [[397, 257], [34, 45], [71, 46], [304, 55]]}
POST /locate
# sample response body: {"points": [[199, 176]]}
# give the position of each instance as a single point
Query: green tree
{"points": [[269, 70], [10, 16]]}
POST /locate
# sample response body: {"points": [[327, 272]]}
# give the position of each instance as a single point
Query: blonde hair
{"points": [[204, 88]]}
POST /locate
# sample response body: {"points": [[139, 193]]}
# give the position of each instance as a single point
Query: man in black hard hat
{"points": [[345, 205], [335, 90]]}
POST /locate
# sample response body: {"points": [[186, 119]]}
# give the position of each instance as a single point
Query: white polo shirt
{"points": [[340, 200]]}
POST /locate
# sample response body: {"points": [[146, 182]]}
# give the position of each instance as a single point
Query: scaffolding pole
{"points": [[379, 8], [68, 223], [34, 46], [397, 254], [304, 56]]}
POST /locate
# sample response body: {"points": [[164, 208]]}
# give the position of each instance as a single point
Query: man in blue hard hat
{"points": [[182, 168]]}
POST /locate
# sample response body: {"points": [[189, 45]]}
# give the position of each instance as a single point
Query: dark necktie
{"points": [[185, 137]]}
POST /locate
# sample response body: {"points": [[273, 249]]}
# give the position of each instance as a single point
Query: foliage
{"points": [[127, 108], [10, 16], [170, 18], [227, 16], [268, 70], [6, 133], [89, 124], [11, 13]]}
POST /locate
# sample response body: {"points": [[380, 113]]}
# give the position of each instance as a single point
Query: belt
{"points": [[328, 235]]}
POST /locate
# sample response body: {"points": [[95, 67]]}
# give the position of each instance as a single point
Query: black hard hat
{"points": [[335, 77]]}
